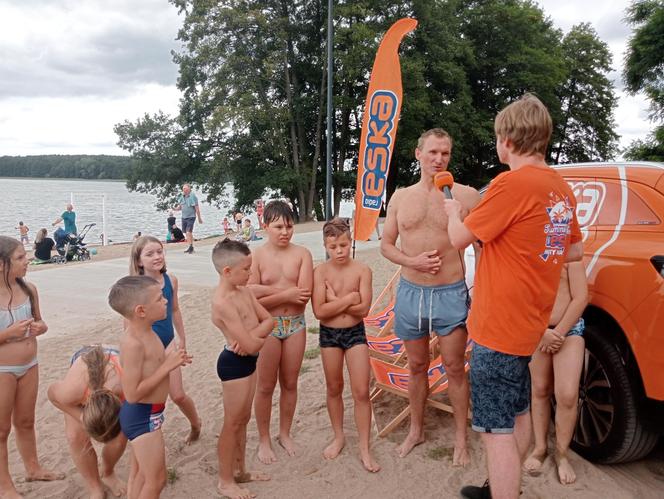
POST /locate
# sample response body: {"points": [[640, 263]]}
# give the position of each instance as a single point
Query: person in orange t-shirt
{"points": [[527, 225]]}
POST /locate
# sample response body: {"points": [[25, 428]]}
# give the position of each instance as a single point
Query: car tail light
{"points": [[658, 263]]}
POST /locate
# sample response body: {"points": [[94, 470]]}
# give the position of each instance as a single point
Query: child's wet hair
{"points": [[228, 252], [135, 254], [335, 228], [129, 292], [277, 209], [8, 245], [101, 412]]}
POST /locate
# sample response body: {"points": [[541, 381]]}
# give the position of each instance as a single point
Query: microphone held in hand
{"points": [[443, 182]]}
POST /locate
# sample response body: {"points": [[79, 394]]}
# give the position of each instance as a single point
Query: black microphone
{"points": [[443, 181]]}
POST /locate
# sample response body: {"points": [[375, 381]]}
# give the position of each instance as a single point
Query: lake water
{"points": [[39, 202]]}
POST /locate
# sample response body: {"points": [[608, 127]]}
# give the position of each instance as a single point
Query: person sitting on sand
{"points": [[555, 369], [90, 396], [341, 299], [43, 246]]}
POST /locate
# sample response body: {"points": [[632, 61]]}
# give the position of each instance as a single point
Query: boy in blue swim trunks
{"points": [[245, 324], [341, 300], [145, 380], [281, 279]]}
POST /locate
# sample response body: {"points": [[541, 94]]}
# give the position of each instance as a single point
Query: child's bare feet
{"points": [[412, 441], [533, 464], [10, 494], [266, 454], [95, 494], [287, 443], [334, 448], [368, 461], [114, 484], [42, 475], [194, 433], [565, 471], [234, 491], [251, 476], [461, 456]]}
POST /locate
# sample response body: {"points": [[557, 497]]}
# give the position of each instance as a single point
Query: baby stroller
{"points": [[71, 247]]}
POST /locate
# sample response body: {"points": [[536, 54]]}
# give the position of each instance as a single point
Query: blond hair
{"points": [[527, 124], [439, 133], [335, 228], [101, 412], [227, 253], [129, 292], [137, 248]]}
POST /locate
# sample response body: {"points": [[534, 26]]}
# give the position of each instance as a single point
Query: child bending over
{"points": [[90, 396]]}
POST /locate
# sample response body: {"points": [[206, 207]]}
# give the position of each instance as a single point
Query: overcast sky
{"points": [[71, 69]]}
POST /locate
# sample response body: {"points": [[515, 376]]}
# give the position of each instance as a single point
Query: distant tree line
{"points": [[97, 166], [253, 78]]}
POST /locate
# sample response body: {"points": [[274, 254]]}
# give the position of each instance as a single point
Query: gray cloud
{"points": [[131, 47]]}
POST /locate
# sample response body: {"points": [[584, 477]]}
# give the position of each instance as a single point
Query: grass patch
{"points": [[440, 453], [312, 330], [171, 475], [305, 369], [312, 353]]}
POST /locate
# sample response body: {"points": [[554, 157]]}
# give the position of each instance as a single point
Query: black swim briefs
{"points": [[342, 337], [232, 366]]}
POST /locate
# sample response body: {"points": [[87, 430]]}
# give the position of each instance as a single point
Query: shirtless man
{"points": [[432, 294]]}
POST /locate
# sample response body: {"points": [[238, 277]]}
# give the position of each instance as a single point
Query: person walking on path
{"points": [[69, 218], [188, 205]]}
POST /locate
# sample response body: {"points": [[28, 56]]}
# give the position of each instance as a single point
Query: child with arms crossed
{"points": [[90, 396], [245, 324], [281, 279], [147, 258], [341, 299], [20, 324], [145, 380]]}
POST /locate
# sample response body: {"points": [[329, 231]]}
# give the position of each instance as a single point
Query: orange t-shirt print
{"points": [[526, 222]]}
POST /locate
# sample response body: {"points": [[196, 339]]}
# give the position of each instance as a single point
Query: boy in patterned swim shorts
{"points": [[527, 224], [341, 299], [281, 280], [145, 374]]}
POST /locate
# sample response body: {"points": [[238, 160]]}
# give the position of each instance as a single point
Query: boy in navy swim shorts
{"points": [[341, 299], [145, 380], [245, 324]]}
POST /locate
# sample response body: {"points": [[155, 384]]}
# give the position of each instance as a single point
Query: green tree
{"points": [[585, 131], [644, 71]]}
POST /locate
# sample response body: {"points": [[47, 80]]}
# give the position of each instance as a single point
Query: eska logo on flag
{"points": [[382, 114]]}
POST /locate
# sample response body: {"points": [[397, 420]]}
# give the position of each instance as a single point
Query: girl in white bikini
{"points": [[20, 324]]}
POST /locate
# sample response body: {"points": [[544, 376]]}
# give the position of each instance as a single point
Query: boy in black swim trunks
{"points": [[341, 299], [245, 324]]}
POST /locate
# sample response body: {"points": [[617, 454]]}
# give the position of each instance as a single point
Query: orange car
{"points": [[620, 207]]}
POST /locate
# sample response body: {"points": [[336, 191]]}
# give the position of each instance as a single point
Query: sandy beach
{"points": [[426, 472]]}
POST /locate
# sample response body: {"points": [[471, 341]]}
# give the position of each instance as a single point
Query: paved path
{"points": [[79, 292]]}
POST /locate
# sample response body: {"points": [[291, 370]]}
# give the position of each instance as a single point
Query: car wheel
{"points": [[608, 429]]}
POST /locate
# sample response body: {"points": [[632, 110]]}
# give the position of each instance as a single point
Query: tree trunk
{"points": [[317, 148]]}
